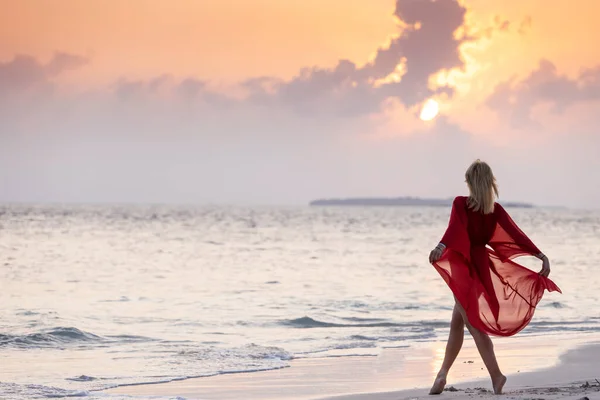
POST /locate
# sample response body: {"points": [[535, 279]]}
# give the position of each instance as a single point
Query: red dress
{"points": [[498, 295]]}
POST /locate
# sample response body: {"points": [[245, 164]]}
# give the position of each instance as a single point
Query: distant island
{"points": [[401, 201]]}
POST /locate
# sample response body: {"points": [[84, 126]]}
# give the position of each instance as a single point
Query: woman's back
{"points": [[481, 226]]}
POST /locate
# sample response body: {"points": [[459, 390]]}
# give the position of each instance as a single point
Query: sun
{"points": [[430, 110]]}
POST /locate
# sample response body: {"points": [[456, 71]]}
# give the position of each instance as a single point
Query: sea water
{"points": [[96, 296]]}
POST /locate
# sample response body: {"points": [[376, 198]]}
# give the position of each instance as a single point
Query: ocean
{"points": [[97, 296]]}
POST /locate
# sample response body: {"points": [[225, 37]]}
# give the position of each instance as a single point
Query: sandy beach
{"points": [[537, 367]]}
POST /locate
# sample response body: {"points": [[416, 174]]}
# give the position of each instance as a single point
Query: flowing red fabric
{"points": [[498, 295]]}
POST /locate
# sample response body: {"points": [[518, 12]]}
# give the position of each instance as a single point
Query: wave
{"points": [[308, 322], [426, 327], [244, 359], [82, 378], [59, 337], [251, 358], [555, 304], [15, 391], [247, 352], [49, 338]]}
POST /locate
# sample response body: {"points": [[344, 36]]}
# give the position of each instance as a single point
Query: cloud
{"points": [[515, 100], [426, 45], [24, 72], [62, 62], [325, 132]]}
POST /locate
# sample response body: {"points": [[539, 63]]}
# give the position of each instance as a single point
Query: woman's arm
{"points": [[509, 241], [437, 252], [455, 237]]}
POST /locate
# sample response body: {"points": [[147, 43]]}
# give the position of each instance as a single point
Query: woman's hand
{"points": [[436, 254], [545, 266]]}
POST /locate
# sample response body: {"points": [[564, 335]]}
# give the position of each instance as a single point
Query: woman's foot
{"points": [[498, 384], [438, 385]]}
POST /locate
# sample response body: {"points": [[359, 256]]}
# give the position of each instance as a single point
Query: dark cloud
{"points": [[515, 100], [61, 62], [24, 71], [127, 89], [426, 45], [430, 48], [283, 141], [319, 91], [190, 88]]}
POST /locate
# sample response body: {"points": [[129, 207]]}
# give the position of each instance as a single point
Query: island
{"points": [[401, 201]]}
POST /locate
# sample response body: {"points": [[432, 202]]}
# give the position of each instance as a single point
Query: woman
{"points": [[493, 295]]}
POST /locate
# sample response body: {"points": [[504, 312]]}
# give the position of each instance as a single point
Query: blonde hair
{"points": [[482, 187]]}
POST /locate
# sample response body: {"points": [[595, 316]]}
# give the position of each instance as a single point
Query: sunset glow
{"points": [[172, 92]]}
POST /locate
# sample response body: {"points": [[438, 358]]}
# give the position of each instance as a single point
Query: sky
{"points": [[281, 102]]}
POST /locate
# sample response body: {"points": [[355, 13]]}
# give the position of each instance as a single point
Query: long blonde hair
{"points": [[482, 187]]}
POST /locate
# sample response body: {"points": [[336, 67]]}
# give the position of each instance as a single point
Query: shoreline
{"points": [[573, 377], [398, 373]]}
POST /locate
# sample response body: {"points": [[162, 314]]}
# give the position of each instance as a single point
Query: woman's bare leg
{"points": [[486, 350], [455, 341]]}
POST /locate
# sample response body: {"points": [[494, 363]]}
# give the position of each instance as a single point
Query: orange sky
{"points": [[233, 39], [226, 40], [357, 134], [230, 40]]}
